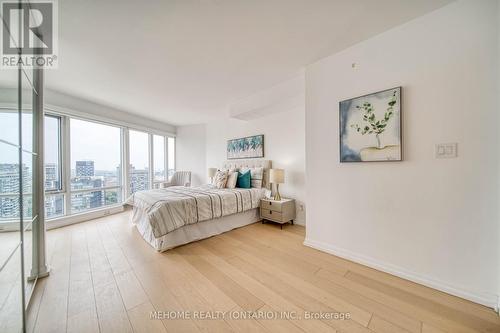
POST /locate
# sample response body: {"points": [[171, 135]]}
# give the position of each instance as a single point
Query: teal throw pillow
{"points": [[244, 180]]}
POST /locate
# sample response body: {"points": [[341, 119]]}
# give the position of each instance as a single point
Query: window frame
{"points": [[150, 158], [124, 187], [151, 133], [165, 158], [69, 191], [60, 157], [174, 155], [62, 172]]}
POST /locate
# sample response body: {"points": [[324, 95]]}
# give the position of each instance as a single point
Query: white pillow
{"points": [[256, 176], [232, 179], [220, 178]]}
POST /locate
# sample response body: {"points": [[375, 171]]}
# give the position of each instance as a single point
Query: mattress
{"points": [[191, 232], [177, 215]]}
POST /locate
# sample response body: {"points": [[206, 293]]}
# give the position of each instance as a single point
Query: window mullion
{"points": [[66, 164], [167, 178], [166, 159], [125, 163], [151, 160], [60, 155]]}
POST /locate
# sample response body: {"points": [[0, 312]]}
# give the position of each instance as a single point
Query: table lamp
{"points": [[277, 176], [211, 174]]}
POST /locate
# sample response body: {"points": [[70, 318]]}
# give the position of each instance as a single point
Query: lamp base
{"points": [[277, 196]]}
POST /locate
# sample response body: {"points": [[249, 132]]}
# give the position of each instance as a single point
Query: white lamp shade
{"points": [[212, 172], [277, 176]]}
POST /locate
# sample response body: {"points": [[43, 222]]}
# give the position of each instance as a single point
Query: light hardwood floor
{"points": [[105, 278]]}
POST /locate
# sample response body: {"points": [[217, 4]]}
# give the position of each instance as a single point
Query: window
{"points": [[52, 153], [171, 157], [139, 161], [83, 164], [159, 158], [54, 200], [95, 165]]}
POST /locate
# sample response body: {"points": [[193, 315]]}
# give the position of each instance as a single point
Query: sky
{"points": [[95, 142], [9, 132]]}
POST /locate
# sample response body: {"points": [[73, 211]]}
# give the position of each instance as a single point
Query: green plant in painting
{"points": [[375, 126]]}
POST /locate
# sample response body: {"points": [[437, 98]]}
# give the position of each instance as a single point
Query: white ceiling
{"points": [[185, 61]]}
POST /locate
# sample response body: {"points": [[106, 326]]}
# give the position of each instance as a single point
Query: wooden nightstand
{"points": [[277, 211]]}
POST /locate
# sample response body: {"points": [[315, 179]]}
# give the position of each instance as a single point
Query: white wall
{"points": [[277, 112], [435, 221], [191, 152], [284, 144]]}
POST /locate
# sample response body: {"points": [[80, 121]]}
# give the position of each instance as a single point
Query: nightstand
{"points": [[282, 211]]}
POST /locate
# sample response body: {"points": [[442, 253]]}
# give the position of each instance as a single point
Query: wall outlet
{"points": [[107, 212], [446, 150]]}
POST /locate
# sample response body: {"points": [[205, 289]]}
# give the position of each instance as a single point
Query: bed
{"points": [[177, 215]]}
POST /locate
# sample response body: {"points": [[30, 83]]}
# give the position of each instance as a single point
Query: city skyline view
{"points": [[95, 166]]}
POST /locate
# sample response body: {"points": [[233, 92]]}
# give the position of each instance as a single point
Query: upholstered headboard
{"points": [[251, 163]]}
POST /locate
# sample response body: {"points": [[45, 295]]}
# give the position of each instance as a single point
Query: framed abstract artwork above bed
{"points": [[248, 147], [370, 127]]}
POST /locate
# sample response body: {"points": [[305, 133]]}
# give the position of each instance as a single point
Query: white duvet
{"points": [[174, 207]]}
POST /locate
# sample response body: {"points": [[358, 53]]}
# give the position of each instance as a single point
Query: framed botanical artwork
{"points": [[371, 127], [249, 147]]}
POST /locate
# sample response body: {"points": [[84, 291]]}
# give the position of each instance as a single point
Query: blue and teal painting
{"points": [[249, 147]]}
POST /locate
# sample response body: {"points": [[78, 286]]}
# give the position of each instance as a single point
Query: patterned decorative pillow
{"points": [[220, 178], [256, 176], [232, 178]]}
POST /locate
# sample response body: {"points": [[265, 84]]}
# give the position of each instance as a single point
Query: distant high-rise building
{"points": [[85, 178], [54, 205], [85, 169], [51, 176], [96, 199], [139, 179], [9, 184]]}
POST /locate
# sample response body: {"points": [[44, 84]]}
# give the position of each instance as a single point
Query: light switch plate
{"points": [[446, 150]]}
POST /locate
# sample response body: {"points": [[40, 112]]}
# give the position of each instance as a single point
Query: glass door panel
{"points": [[16, 195], [11, 305], [11, 222], [9, 186], [29, 161], [27, 186], [10, 240], [9, 118], [28, 260]]}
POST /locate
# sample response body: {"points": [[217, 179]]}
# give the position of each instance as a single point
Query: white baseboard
{"points": [[486, 299]]}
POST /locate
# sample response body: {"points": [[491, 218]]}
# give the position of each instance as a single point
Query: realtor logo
{"points": [[29, 34]]}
